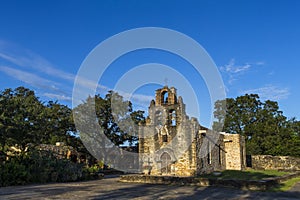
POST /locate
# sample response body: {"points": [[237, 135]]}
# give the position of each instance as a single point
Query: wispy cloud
{"points": [[232, 68], [139, 99], [260, 63], [234, 71], [29, 68], [30, 78], [37, 65], [270, 92], [58, 96], [29, 59]]}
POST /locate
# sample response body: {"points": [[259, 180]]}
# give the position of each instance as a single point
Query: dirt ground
{"points": [[110, 188]]}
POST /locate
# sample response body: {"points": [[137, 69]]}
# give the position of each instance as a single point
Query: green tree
{"points": [[21, 114], [114, 115], [58, 123], [105, 123], [266, 129], [25, 119]]}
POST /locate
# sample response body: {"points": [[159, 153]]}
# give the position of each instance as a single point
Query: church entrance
{"points": [[165, 163]]}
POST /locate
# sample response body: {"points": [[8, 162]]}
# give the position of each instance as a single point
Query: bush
{"points": [[38, 167], [13, 172]]}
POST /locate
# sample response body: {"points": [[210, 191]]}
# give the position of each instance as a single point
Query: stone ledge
{"points": [[262, 185]]}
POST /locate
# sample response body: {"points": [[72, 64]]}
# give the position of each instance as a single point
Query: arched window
{"points": [[164, 96], [172, 117]]}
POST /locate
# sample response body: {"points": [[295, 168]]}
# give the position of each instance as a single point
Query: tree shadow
{"points": [[111, 188], [241, 175], [149, 191]]}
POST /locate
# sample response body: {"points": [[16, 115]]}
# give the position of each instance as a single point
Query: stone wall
{"points": [[235, 151], [263, 184], [210, 152], [186, 164], [274, 162]]}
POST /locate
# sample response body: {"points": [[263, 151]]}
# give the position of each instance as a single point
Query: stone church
{"points": [[171, 143]]}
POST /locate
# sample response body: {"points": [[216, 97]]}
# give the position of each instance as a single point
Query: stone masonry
{"points": [[275, 162], [171, 143]]}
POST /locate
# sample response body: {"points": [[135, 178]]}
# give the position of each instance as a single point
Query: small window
{"points": [[201, 163], [220, 156], [242, 156], [164, 138], [172, 117], [164, 97], [208, 154]]}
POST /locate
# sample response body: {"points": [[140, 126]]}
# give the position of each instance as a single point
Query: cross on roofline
{"points": [[166, 81]]}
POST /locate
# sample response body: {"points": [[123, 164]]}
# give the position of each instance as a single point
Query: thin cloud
{"points": [[234, 71], [30, 78], [260, 63], [270, 92], [58, 96], [271, 73], [26, 58], [139, 99], [232, 68]]}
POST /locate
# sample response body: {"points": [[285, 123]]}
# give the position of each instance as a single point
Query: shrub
{"points": [[13, 172], [38, 167]]}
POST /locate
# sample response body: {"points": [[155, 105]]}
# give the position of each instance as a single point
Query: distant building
{"points": [[173, 144]]}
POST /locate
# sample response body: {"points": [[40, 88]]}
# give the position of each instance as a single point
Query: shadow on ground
{"points": [[110, 188]]}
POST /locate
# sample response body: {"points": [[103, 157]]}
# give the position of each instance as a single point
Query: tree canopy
{"points": [[24, 119], [266, 129], [114, 115]]}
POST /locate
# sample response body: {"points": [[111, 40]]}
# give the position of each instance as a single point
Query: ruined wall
{"points": [[186, 163], [185, 144], [210, 152], [235, 155], [275, 162]]}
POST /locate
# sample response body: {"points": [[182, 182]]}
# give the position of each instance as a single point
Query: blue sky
{"points": [[254, 44]]}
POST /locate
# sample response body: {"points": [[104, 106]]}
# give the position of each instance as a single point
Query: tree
{"points": [[107, 123], [58, 123], [25, 119], [266, 129], [114, 115], [21, 114]]}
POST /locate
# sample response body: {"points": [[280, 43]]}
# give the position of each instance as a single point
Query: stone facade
{"points": [[236, 151], [274, 162], [171, 143]]}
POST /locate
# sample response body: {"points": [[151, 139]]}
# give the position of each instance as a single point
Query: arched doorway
{"points": [[165, 163]]}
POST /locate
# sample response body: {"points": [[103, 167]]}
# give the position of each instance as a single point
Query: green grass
{"points": [[286, 185], [246, 175]]}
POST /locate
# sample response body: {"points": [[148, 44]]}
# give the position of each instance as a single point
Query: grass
{"points": [[286, 185], [246, 175]]}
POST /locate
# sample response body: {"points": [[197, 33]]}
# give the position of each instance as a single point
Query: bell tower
{"points": [[167, 132], [165, 114], [166, 96]]}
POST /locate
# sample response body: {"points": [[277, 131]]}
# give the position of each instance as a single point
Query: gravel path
{"points": [[110, 188]]}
